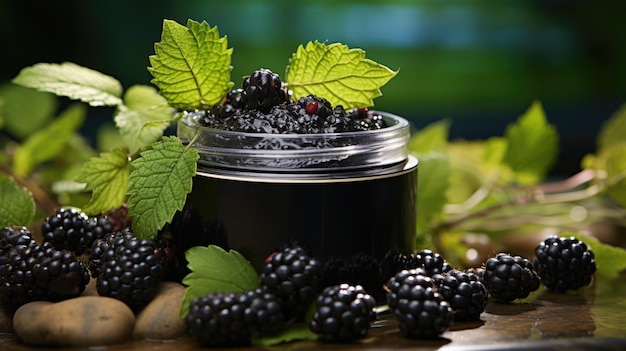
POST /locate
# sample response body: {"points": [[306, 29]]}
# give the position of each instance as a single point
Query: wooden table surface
{"points": [[592, 318]]}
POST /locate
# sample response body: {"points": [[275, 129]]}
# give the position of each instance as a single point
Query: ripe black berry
{"points": [[229, 319], [359, 269], [564, 263], [294, 276], [343, 313], [60, 274], [129, 270], [421, 311], [465, 293], [510, 277], [262, 90], [395, 261], [65, 229]]}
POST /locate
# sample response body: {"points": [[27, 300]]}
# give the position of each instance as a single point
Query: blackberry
{"points": [[294, 276], [65, 229], [262, 90], [94, 229], [129, 270], [343, 313], [421, 311], [101, 245], [18, 255], [431, 262], [509, 277], [230, 319], [359, 269], [60, 274], [465, 293], [564, 263]]}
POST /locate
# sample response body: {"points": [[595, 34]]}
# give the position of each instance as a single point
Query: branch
{"points": [[40, 196]]}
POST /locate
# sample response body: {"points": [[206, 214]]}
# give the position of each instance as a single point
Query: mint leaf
{"points": [[433, 137], [74, 81], [107, 177], [532, 145], [159, 185], [215, 270], [192, 65], [47, 143], [614, 158], [613, 130], [433, 181], [296, 332], [20, 103], [341, 75], [610, 260], [143, 117], [17, 206]]}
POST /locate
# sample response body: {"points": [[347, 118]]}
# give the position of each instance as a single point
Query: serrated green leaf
{"points": [[192, 65], [106, 177], [74, 81], [143, 117], [610, 260], [48, 143], [433, 137], [17, 206], [613, 131], [215, 270], [20, 103], [433, 181], [532, 145], [341, 75], [159, 185]]}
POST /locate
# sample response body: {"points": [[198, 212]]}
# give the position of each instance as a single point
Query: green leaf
{"points": [[17, 206], [192, 65], [613, 131], [74, 81], [341, 75], [143, 117], [532, 145], [47, 143], [106, 177], [610, 260], [433, 137], [159, 185], [433, 181], [296, 332], [20, 103], [215, 270], [614, 158]]}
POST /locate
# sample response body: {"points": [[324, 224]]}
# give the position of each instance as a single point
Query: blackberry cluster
{"points": [[465, 293], [421, 311], [343, 313], [230, 319], [564, 263], [71, 229], [294, 276], [510, 277], [31, 272], [126, 268], [431, 262], [263, 106]]}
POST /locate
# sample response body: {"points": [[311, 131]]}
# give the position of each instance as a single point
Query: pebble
{"points": [[160, 319], [81, 321]]}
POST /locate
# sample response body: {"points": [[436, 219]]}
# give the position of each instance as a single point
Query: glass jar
{"points": [[336, 193]]}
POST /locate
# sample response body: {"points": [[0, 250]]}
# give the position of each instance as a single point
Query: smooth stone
{"points": [[160, 319], [81, 321]]}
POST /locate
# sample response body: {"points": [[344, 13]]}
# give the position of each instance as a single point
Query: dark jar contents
{"points": [[356, 196]]}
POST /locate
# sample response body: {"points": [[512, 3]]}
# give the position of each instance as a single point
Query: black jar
{"points": [[337, 193]]}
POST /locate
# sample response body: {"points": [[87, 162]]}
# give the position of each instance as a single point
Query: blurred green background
{"points": [[480, 63]]}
